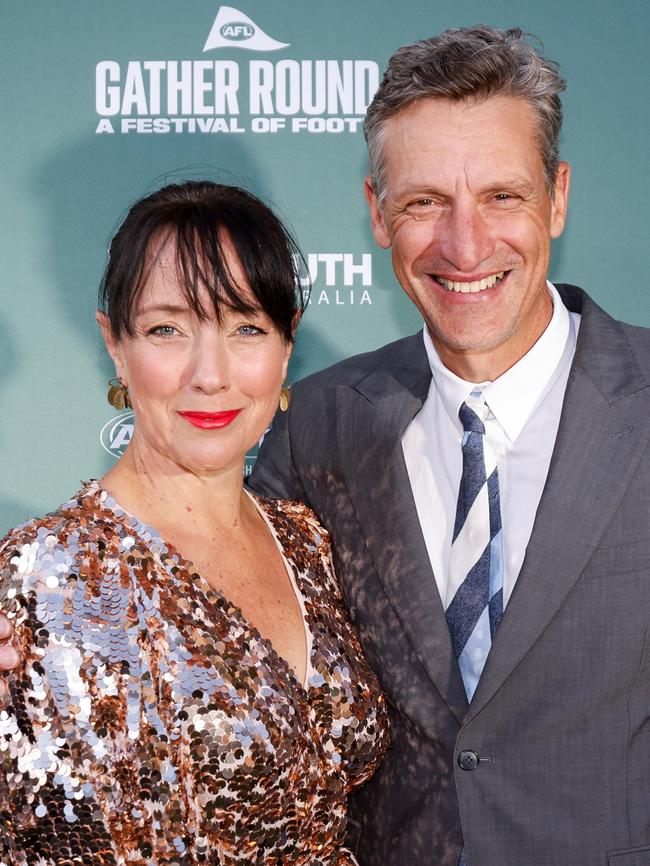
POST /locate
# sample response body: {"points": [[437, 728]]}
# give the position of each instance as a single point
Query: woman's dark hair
{"points": [[196, 216]]}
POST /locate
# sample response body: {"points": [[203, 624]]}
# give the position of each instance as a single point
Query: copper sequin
{"points": [[151, 725]]}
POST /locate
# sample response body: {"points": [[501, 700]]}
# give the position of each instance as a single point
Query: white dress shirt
{"points": [[525, 403]]}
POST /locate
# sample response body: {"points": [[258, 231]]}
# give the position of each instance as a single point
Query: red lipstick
{"points": [[210, 420]]}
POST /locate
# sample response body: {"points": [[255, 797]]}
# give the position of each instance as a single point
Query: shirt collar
{"points": [[513, 396]]}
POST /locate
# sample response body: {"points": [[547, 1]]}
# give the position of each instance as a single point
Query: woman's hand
{"points": [[9, 657]]}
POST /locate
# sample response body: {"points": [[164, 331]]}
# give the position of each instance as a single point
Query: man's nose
{"points": [[465, 239], [210, 370]]}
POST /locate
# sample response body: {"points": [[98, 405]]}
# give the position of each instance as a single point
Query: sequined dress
{"points": [[151, 724]]}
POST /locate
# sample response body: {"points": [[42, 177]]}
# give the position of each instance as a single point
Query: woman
{"points": [[191, 691]]}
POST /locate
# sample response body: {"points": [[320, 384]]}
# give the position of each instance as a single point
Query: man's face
{"points": [[469, 218]]}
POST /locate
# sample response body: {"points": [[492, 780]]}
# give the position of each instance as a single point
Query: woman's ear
{"points": [[295, 322], [287, 354], [112, 344]]}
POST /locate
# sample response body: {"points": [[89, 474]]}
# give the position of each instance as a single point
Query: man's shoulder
{"points": [[404, 357], [638, 340], [637, 335], [602, 326], [579, 301]]}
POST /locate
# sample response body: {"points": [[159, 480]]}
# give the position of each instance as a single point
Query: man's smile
{"points": [[466, 286]]}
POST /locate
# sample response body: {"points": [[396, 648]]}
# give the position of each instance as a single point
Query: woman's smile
{"points": [[210, 420]]}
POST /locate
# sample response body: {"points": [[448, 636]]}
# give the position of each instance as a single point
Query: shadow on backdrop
{"points": [[10, 501]]}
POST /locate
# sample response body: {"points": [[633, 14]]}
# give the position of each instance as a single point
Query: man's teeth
{"points": [[475, 286]]}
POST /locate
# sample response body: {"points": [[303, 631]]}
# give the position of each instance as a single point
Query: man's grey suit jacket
{"points": [[561, 716]]}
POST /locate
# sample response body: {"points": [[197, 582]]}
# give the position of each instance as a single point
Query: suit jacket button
{"points": [[468, 760]]}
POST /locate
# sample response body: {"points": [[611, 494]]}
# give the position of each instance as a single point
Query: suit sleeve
{"points": [[275, 475]]}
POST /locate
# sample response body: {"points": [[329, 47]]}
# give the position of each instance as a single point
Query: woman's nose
{"points": [[210, 363]]}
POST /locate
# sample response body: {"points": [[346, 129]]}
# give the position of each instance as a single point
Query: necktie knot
{"points": [[470, 420]]}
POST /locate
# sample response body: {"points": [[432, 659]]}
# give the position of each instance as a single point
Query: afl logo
{"points": [[117, 433], [238, 31], [233, 28]]}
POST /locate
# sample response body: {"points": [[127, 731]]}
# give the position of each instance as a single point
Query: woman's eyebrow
{"points": [[162, 308]]}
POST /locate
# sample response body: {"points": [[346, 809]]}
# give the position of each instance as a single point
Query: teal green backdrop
{"points": [[104, 101]]}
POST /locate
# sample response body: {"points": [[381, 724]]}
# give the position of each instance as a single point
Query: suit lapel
{"points": [[604, 430], [373, 416]]}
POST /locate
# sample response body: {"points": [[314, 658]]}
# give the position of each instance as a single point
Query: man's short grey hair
{"points": [[471, 63]]}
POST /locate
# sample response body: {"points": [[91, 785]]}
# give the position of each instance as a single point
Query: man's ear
{"points": [[560, 202], [112, 345], [379, 228]]}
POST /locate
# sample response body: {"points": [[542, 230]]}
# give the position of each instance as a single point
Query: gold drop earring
{"points": [[118, 395], [285, 397]]}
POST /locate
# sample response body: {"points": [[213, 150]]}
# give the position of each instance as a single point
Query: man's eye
{"points": [[422, 207]]}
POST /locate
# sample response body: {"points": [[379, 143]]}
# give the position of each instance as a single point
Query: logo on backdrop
{"points": [[339, 279], [233, 28], [116, 434], [229, 96]]}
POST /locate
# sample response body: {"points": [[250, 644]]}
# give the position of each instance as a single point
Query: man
{"points": [[487, 487]]}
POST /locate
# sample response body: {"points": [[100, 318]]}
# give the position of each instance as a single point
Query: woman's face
{"points": [[203, 392]]}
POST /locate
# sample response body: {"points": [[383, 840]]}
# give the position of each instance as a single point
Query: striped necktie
{"points": [[474, 603]]}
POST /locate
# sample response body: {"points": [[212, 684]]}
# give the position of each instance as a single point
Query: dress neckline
{"points": [[133, 525]]}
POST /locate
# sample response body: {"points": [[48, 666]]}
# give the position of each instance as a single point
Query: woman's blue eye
{"points": [[249, 330], [163, 330]]}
